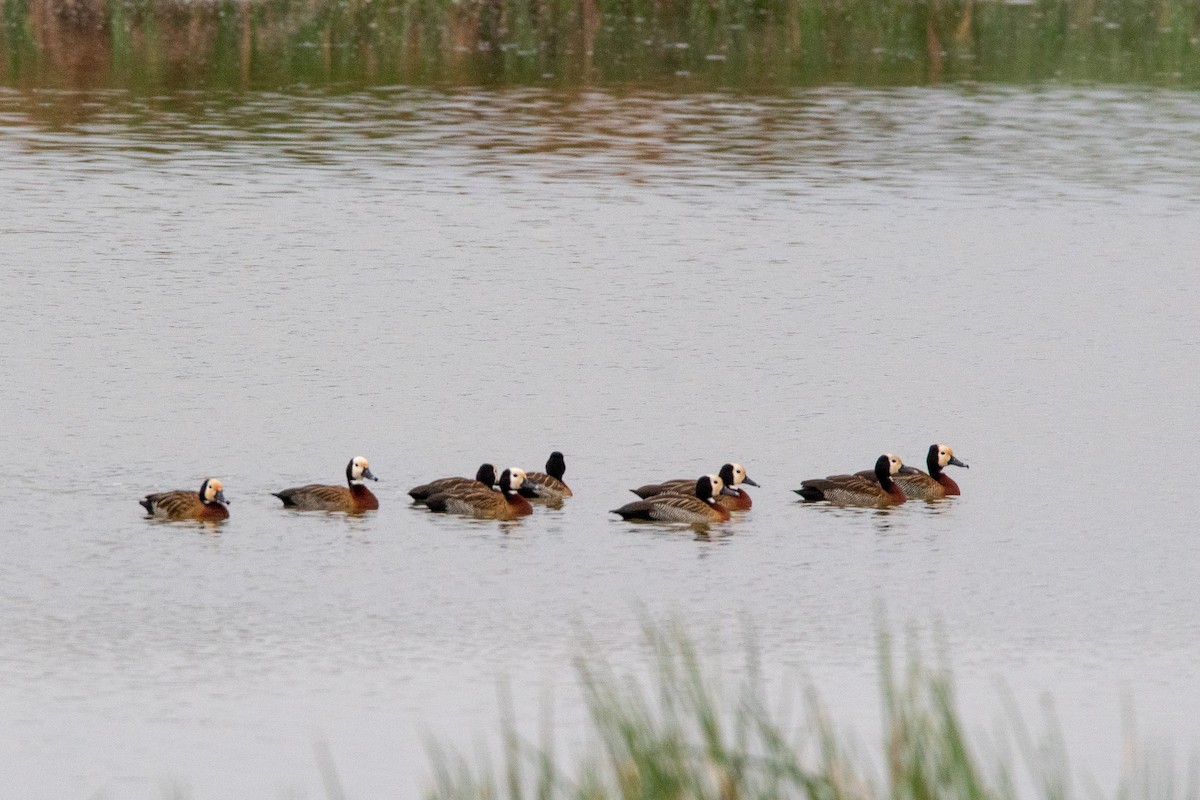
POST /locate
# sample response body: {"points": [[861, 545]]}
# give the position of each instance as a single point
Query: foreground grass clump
{"points": [[682, 737]]}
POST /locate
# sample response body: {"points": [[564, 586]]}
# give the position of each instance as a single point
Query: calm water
{"points": [[260, 286]]}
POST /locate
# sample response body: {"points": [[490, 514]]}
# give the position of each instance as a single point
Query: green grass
{"points": [[684, 735], [673, 44]]}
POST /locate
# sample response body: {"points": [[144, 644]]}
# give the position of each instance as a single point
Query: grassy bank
{"points": [[681, 736], [752, 44]]}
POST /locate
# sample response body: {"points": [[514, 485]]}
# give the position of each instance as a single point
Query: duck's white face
{"points": [[894, 464], [213, 491], [516, 478], [739, 474], [717, 485], [357, 467], [944, 455]]}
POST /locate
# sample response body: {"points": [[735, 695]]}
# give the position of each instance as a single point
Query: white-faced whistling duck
{"points": [[352, 499], [207, 504]]}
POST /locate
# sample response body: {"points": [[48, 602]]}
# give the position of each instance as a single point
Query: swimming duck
{"points": [[207, 504], [855, 490], [733, 475], [549, 484], [507, 503], [699, 506], [932, 486], [485, 478], [320, 497]]}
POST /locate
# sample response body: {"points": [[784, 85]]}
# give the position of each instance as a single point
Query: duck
{"points": [[485, 478], [699, 506], [319, 497], [855, 490], [549, 484], [733, 475], [934, 485], [207, 504], [504, 504]]}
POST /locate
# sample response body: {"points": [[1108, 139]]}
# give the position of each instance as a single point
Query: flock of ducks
{"points": [[513, 493]]}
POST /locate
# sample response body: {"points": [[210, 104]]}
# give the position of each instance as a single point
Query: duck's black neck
{"points": [[883, 471], [931, 461], [556, 467]]}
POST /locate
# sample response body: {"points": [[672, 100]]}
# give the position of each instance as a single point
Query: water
{"points": [[261, 286]]}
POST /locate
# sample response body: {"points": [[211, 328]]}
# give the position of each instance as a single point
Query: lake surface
{"points": [[260, 286]]}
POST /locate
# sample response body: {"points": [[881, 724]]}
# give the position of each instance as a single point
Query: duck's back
{"points": [[444, 485], [548, 485], [681, 486]]}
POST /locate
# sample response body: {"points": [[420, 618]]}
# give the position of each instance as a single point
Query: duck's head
{"points": [[212, 491], [735, 474], [709, 486], [486, 475], [556, 467], [888, 464], [357, 469], [943, 456], [511, 480]]}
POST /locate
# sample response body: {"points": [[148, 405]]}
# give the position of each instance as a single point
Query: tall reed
{"points": [[682, 734]]}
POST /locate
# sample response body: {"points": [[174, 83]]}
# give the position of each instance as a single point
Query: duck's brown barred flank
{"points": [[207, 504], [352, 499]]}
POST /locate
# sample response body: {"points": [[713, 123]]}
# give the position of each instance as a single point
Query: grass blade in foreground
{"points": [[682, 736]]}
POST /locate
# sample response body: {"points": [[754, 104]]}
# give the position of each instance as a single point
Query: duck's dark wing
{"points": [[425, 490], [682, 486]]}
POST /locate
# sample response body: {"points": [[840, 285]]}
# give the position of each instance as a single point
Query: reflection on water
{"points": [[828, 136], [260, 285]]}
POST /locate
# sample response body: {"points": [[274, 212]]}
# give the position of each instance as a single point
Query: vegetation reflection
{"points": [[751, 44]]}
